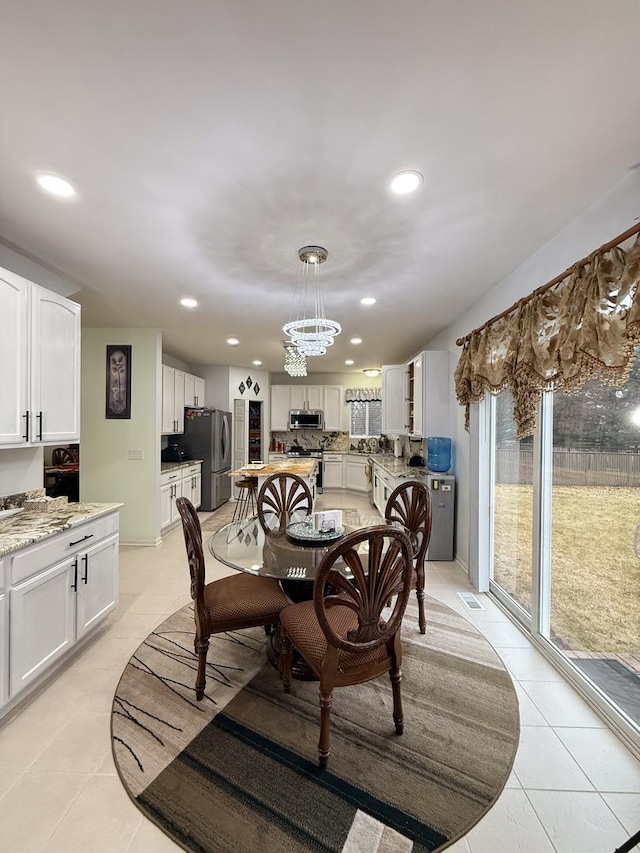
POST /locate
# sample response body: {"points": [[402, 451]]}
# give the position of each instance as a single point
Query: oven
{"points": [[315, 453]]}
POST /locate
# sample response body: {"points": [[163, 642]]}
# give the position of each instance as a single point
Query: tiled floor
{"points": [[574, 787]]}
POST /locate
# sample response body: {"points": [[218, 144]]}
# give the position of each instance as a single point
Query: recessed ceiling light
{"points": [[233, 342], [356, 340], [257, 362], [349, 361], [368, 300], [188, 302], [406, 182], [55, 185], [371, 371]]}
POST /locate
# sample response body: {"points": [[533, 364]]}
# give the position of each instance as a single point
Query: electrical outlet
{"points": [[136, 454]]}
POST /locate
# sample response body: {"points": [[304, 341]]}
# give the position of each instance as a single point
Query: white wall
{"points": [[617, 211], [21, 469], [106, 472]]}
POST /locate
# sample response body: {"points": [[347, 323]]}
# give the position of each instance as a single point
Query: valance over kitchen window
{"points": [[362, 395], [582, 324]]}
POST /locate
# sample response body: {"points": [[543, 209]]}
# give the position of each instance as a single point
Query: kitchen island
{"points": [[306, 468]]}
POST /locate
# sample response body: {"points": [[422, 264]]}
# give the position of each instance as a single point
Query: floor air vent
{"points": [[470, 601]]}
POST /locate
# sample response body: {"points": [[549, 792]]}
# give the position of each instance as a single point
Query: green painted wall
{"points": [[107, 473]]}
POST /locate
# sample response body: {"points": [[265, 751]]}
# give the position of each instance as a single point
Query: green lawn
{"points": [[595, 575]]}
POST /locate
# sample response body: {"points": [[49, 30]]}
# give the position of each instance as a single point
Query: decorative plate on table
{"points": [[301, 533]]}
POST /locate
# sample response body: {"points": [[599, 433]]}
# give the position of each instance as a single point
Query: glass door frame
{"points": [[537, 625]]}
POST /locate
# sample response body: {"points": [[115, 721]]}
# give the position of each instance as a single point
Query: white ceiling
{"points": [[210, 140]]}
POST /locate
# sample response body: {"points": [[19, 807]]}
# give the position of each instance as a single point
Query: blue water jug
{"points": [[438, 454]]}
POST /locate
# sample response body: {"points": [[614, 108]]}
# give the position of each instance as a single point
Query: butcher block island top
{"points": [[302, 467]]}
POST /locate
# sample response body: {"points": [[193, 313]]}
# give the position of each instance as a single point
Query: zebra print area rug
{"points": [[238, 771]]}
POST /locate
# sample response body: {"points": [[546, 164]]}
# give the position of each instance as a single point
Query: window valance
{"points": [[362, 395], [584, 323]]}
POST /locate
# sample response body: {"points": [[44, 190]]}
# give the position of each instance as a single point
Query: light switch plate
{"points": [[136, 454]]}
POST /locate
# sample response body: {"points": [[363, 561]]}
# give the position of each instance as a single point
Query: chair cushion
{"points": [[301, 625], [243, 600]]}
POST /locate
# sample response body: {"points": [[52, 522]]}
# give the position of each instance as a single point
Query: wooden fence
{"points": [[571, 468]]}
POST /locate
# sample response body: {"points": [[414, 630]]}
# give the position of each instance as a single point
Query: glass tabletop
{"points": [[245, 546]]}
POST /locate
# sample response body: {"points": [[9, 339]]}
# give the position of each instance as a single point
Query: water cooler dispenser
{"points": [[442, 488]]}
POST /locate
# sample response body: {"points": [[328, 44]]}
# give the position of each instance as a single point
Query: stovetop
{"points": [[295, 452]]}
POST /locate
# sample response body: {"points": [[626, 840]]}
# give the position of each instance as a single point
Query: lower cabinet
{"points": [[332, 471], [4, 643], [183, 481], [192, 484], [383, 485], [356, 473], [59, 590]]}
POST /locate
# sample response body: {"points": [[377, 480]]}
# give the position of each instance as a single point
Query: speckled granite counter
{"points": [[170, 466], [398, 467], [29, 526]]}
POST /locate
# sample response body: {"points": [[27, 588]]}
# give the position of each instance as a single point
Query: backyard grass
{"points": [[595, 575]]}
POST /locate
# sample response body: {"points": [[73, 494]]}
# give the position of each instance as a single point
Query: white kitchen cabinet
{"points": [[327, 398], [333, 471], [192, 484], [97, 584], [395, 415], [61, 589], [280, 407], [40, 355], [436, 394], [383, 484], [356, 474], [334, 408], [193, 390], [4, 637], [170, 491], [173, 385]]}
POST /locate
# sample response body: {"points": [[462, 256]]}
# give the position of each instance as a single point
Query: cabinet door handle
{"points": [[84, 539], [86, 568], [74, 585], [39, 416], [26, 416]]}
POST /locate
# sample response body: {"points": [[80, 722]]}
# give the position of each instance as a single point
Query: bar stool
{"points": [[246, 502]]}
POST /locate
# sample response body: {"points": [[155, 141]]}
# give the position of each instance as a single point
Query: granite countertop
{"points": [[398, 467], [170, 466], [302, 466], [29, 526]]}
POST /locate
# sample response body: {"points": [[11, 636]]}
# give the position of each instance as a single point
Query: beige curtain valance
{"points": [[585, 323], [362, 395]]}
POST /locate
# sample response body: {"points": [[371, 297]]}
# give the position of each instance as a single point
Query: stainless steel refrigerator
{"points": [[207, 436], [443, 507]]}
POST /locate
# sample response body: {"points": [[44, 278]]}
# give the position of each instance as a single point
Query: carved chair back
{"points": [[409, 506], [378, 573], [280, 497]]}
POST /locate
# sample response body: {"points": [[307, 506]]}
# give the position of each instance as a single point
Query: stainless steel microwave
{"points": [[306, 419]]}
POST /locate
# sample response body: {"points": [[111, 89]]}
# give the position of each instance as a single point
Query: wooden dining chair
{"points": [[228, 604], [409, 506], [62, 456], [342, 633], [281, 499]]}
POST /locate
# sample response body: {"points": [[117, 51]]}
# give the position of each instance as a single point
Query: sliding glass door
{"points": [[572, 510]]}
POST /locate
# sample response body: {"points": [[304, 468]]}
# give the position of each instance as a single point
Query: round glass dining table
{"points": [[246, 547]]}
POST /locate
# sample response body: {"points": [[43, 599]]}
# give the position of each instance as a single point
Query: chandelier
{"points": [[309, 330], [295, 362]]}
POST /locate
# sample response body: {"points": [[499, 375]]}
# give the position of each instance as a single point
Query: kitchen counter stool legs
{"points": [[246, 503]]}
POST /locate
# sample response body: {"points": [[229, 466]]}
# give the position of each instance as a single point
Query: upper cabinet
{"points": [[40, 353], [172, 399], [415, 396], [395, 413], [179, 389], [193, 390], [327, 398]]}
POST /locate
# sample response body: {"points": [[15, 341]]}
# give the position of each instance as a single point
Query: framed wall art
{"points": [[118, 381]]}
